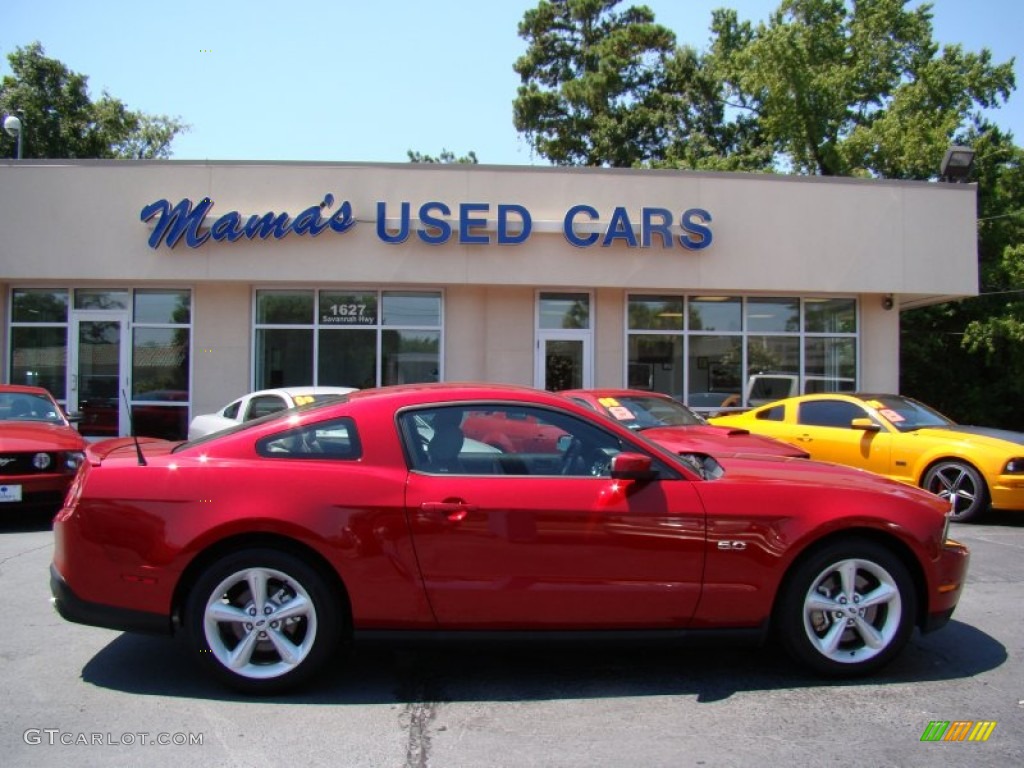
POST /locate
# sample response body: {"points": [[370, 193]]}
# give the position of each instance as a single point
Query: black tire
{"points": [[278, 646], [848, 609], [951, 476]]}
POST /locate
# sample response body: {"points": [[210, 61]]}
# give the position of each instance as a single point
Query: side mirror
{"points": [[866, 425], [632, 466]]}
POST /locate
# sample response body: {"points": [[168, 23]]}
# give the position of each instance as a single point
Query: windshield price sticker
{"points": [[891, 415], [621, 412]]}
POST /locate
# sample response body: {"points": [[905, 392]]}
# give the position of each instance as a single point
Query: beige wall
{"points": [[81, 221], [73, 223]]}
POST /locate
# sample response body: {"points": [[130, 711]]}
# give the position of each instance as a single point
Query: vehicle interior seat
{"points": [[446, 443]]}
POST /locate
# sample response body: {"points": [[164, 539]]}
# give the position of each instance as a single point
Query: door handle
{"points": [[452, 511]]}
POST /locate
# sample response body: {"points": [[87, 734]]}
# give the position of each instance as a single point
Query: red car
{"points": [[39, 449], [274, 543], [668, 422]]}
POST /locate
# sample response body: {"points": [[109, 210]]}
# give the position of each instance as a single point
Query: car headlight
{"points": [[73, 460], [1014, 467], [41, 461]]}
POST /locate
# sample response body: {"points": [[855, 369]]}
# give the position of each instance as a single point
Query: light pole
{"points": [[12, 124]]}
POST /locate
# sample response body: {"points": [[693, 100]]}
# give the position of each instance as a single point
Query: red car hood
{"points": [[773, 470], [714, 441], [23, 436]]}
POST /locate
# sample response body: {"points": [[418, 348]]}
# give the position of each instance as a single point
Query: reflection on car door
{"points": [[553, 551], [824, 431]]}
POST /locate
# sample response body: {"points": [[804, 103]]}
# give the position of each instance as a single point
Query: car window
{"points": [[333, 439], [262, 405], [492, 440], [231, 412], [829, 413], [23, 406], [775, 413]]}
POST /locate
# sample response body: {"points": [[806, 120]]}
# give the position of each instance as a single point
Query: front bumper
{"points": [[950, 575]]}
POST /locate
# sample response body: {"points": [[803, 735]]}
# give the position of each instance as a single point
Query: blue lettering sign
{"points": [[436, 230], [648, 227], [526, 224], [620, 228], [186, 220], [569, 231], [697, 236], [382, 225], [467, 223]]}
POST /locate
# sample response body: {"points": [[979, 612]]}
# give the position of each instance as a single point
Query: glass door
{"points": [[98, 372], [563, 361], [564, 341]]}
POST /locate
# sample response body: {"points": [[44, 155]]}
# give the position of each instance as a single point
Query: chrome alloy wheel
{"points": [[852, 611], [260, 623], [962, 485]]}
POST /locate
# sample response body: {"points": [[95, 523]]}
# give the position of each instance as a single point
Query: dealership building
{"points": [[176, 286]]}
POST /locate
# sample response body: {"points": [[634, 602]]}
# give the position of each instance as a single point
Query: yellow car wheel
{"points": [[948, 477]]}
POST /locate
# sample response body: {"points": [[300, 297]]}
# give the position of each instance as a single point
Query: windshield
{"points": [[25, 406], [906, 414], [639, 412]]}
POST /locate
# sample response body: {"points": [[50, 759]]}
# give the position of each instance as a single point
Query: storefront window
{"points": [[347, 357], [773, 315], [357, 339], [656, 313], [409, 357], [830, 316], [418, 310], [723, 314], [564, 311], [741, 351], [101, 299], [39, 306], [715, 371], [284, 307], [163, 307], [39, 358], [284, 358], [655, 363]]}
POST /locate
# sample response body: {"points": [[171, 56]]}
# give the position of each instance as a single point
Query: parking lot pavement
{"points": [[74, 695]]}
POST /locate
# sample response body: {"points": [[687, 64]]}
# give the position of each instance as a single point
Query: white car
{"points": [[260, 403]]}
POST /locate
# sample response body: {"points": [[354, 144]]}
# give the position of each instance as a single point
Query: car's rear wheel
{"points": [[848, 609], [948, 477], [262, 620]]}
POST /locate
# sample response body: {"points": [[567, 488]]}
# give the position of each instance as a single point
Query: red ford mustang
{"points": [[39, 450], [273, 544], [668, 422]]}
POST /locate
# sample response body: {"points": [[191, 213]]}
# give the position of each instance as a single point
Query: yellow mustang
{"points": [[902, 439]]}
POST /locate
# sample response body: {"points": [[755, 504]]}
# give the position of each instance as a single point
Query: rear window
{"points": [[336, 439]]}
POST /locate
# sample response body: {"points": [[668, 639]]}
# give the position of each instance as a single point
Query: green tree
{"points": [[593, 83], [446, 157], [61, 121], [843, 88]]}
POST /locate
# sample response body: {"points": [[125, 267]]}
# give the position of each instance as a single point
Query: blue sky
{"points": [[364, 81]]}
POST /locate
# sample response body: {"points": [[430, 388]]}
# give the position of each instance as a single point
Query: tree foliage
{"points": [[822, 87], [446, 157], [61, 121], [593, 83]]}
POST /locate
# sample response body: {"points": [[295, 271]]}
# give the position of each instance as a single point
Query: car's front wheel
{"points": [[848, 609], [262, 620], [957, 477]]}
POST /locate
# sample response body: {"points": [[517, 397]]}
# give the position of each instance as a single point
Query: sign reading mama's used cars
{"points": [[435, 223]]}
